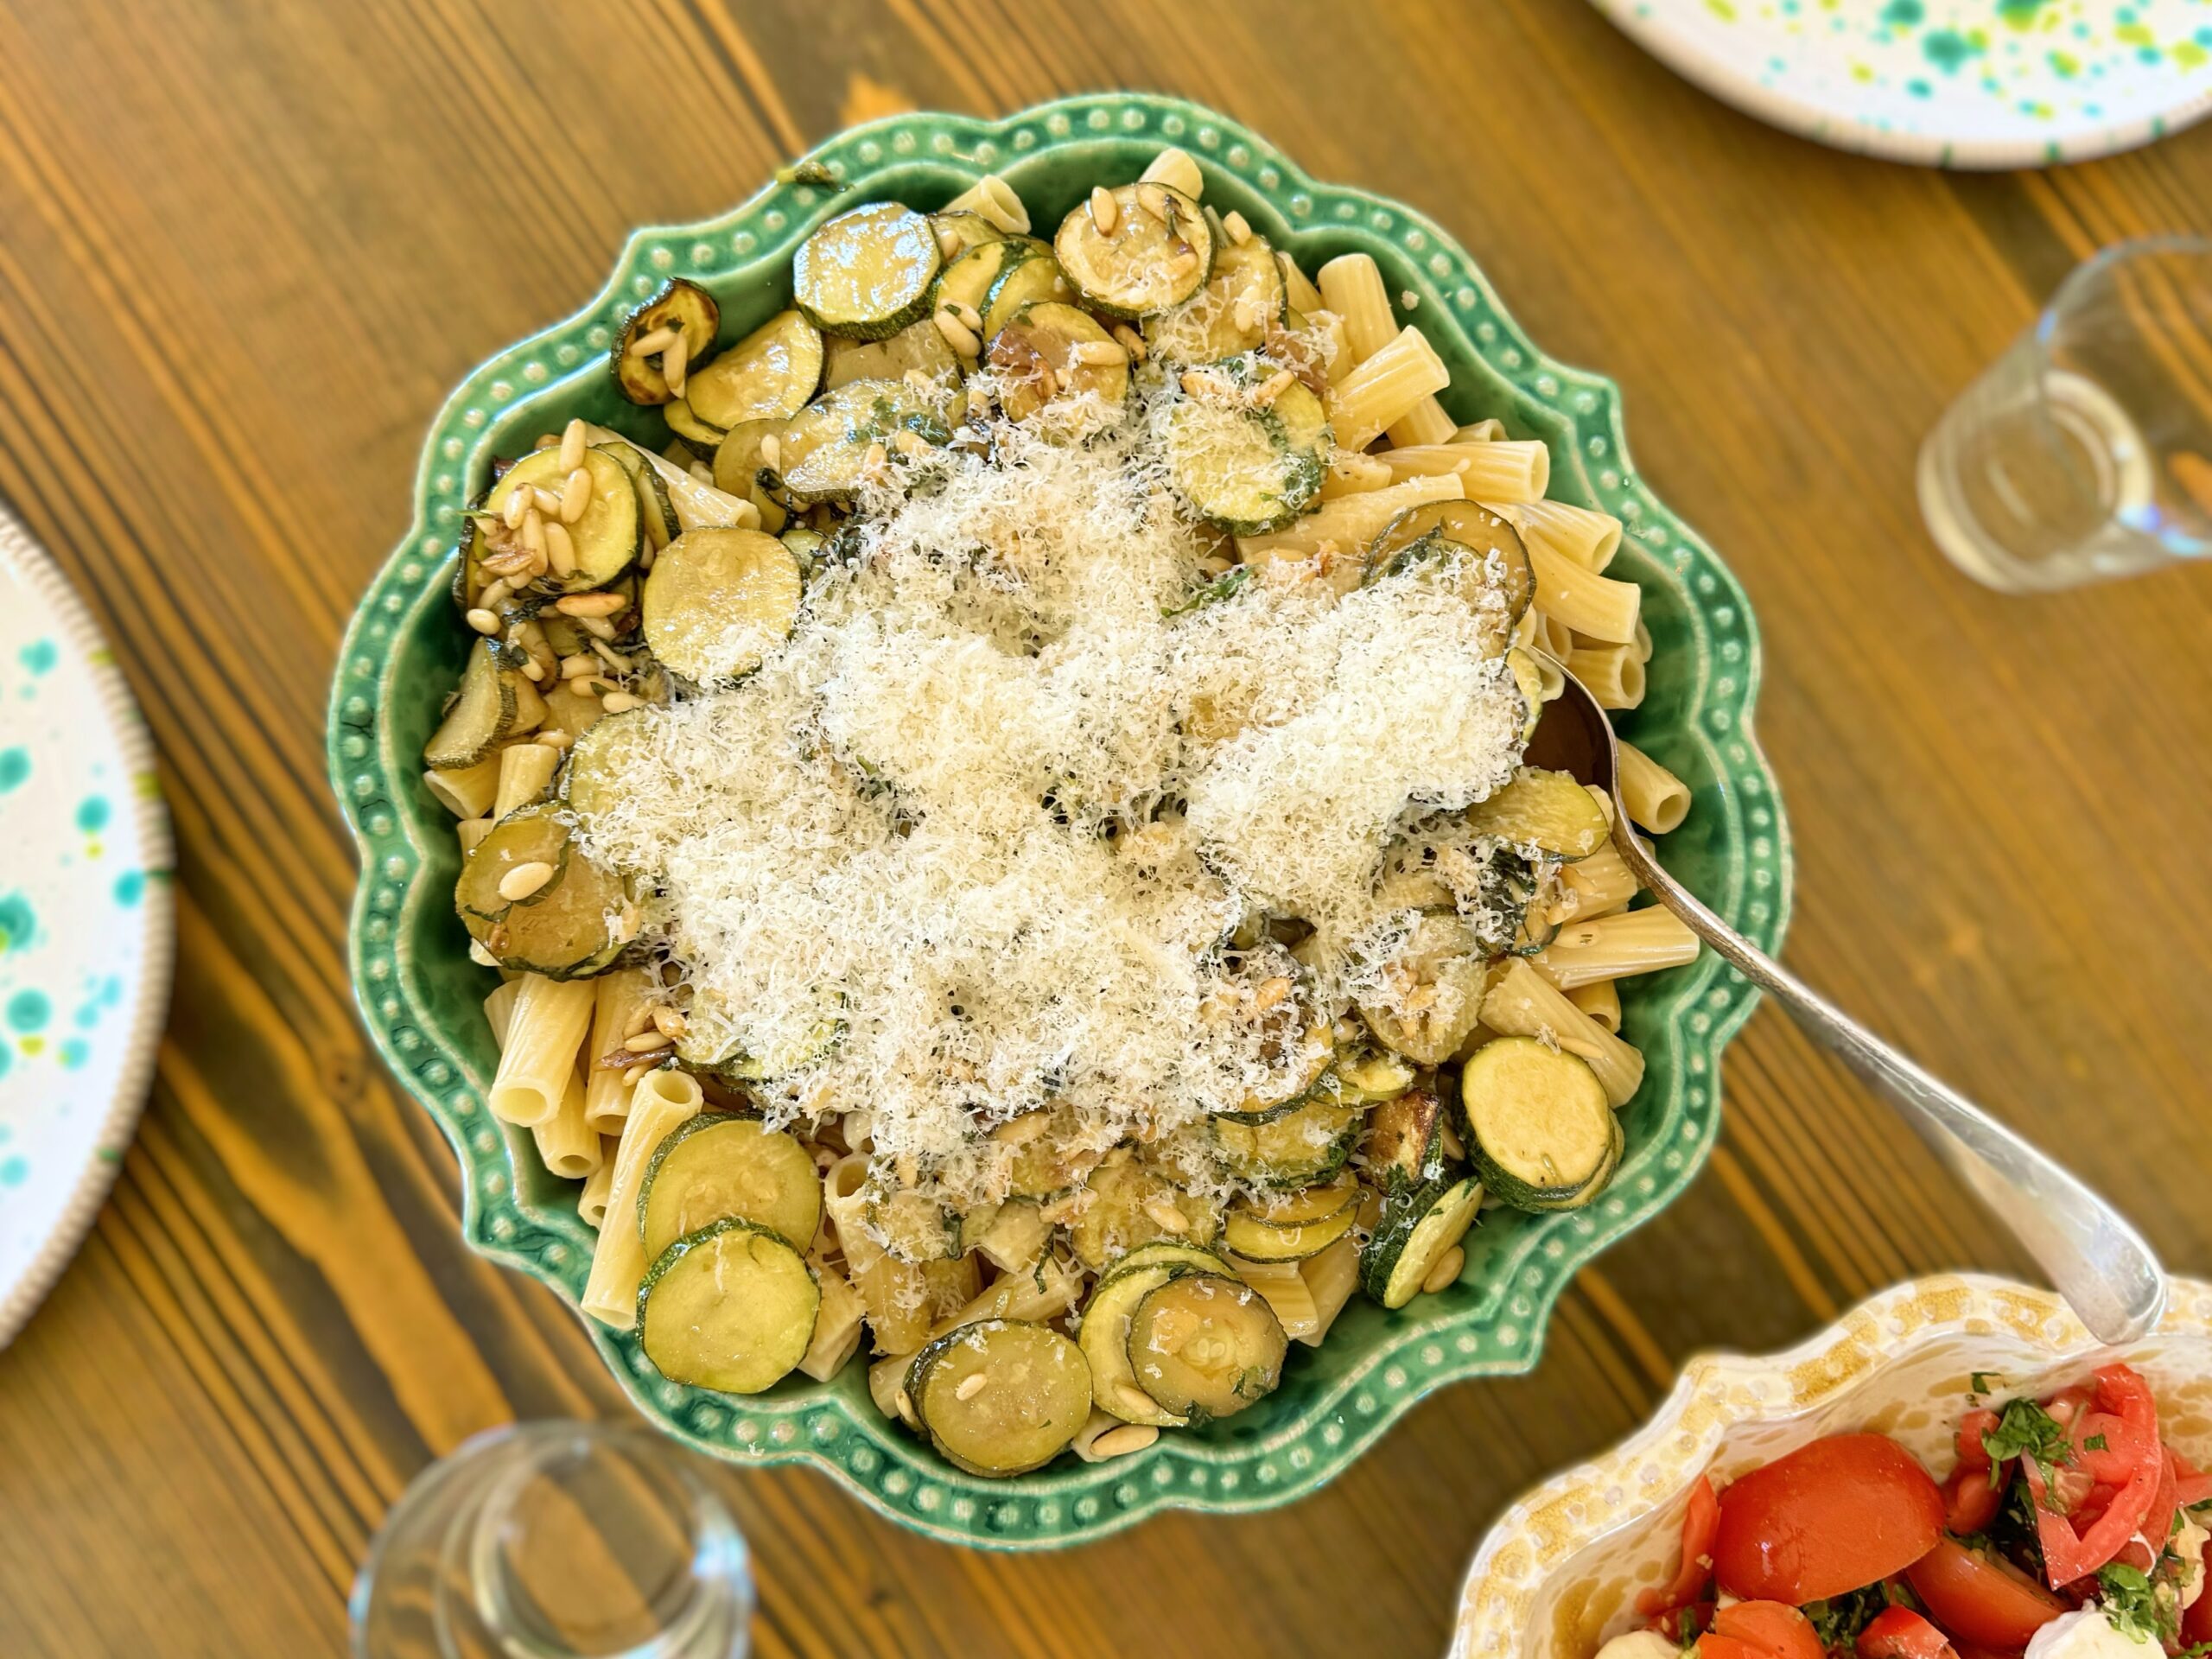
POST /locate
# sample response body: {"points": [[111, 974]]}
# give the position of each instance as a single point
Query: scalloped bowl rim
{"points": [[1617, 1494], [1497, 1329]]}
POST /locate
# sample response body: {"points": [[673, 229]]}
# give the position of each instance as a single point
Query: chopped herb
{"points": [[2135, 1606], [1988, 1381], [2095, 1443], [814, 173], [1838, 1620], [2026, 1430]]}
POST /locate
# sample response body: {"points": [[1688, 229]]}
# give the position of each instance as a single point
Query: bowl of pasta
{"points": [[946, 829]]}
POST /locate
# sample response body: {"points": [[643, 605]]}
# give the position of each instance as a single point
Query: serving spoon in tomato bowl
{"points": [[2096, 1260]]}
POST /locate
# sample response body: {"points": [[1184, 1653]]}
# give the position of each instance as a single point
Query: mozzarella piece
{"points": [[2086, 1633], [1640, 1644]]}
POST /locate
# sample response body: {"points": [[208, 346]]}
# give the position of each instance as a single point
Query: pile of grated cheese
{"points": [[972, 840]]}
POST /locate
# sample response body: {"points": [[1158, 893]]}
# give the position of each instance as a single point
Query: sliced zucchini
{"points": [[969, 230], [807, 546], [1205, 1346], [576, 923], [1045, 353], [1105, 1336], [1528, 680], [1538, 1123], [603, 763], [680, 305], [701, 437], [1421, 534], [1547, 810], [1303, 1075], [1148, 261], [733, 1063], [656, 513], [717, 1165], [1043, 1159], [1240, 302], [919, 348], [717, 601], [1295, 1226], [1405, 1142], [1308, 1144], [1249, 467], [1032, 1395], [572, 712], [1366, 1074], [966, 282], [1166, 1253], [738, 468], [606, 539], [867, 273], [1416, 1227], [1590, 1188], [1021, 284], [730, 1307], [482, 712], [911, 1226], [527, 836], [768, 375], [1437, 980], [1131, 1203], [826, 449]]}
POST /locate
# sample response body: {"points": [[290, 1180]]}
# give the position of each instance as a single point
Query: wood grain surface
{"points": [[245, 249]]}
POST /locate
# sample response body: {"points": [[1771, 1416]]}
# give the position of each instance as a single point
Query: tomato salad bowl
{"points": [[1883, 1463], [421, 994]]}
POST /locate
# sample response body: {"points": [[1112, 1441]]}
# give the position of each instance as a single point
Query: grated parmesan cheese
{"points": [[973, 839]]}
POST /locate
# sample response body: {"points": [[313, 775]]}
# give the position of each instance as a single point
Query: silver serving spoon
{"points": [[2099, 1263]]}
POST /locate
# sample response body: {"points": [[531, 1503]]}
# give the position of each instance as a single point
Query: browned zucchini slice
{"points": [[1052, 350], [680, 305], [1157, 251]]}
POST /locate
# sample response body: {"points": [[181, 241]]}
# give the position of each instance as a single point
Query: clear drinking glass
{"points": [[2085, 451], [557, 1541]]}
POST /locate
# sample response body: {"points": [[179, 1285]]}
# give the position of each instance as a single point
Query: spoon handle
{"points": [[2097, 1261]]}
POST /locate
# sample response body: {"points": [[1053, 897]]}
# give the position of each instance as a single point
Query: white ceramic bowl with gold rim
{"points": [[1559, 1574]]}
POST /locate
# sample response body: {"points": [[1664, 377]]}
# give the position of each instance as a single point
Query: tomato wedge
{"points": [[1900, 1633], [1979, 1597], [1761, 1629], [1696, 1570], [1831, 1516], [2132, 1437], [1971, 1500]]}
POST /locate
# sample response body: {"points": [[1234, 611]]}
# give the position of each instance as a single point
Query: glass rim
{"points": [[2072, 286]]}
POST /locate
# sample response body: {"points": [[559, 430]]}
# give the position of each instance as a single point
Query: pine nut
{"points": [[631, 1073], [1134, 1398], [1274, 386], [577, 667], [904, 1402], [576, 496], [1104, 352], [561, 551], [572, 445], [1105, 212], [1169, 1218], [1154, 199], [1239, 228], [948, 242], [484, 621], [554, 737], [524, 879], [548, 501], [518, 503], [545, 441], [1445, 1273], [589, 604], [957, 335], [1120, 1442], [617, 702], [493, 593], [533, 530], [613, 659], [533, 670], [772, 452], [1132, 341], [668, 1022], [968, 1387], [675, 359], [969, 316], [479, 956], [645, 1042], [876, 461], [658, 340]]}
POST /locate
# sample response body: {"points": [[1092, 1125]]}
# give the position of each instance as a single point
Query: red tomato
{"points": [[2196, 1620], [1773, 1628], [1828, 1518], [1973, 1454], [1980, 1599], [1727, 1647], [1696, 1571], [1900, 1633], [1970, 1502]]}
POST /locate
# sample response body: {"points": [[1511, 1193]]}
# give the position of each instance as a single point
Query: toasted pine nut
{"points": [[484, 621], [674, 361], [968, 1387], [554, 737], [658, 340], [968, 314], [904, 1402], [668, 1022], [561, 551], [1447, 1271], [645, 1042], [589, 604], [1271, 991], [518, 503], [1105, 212], [577, 667], [875, 462], [1239, 228], [948, 242], [631, 1073], [576, 496], [1134, 1399], [1104, 352], [1167, 1216], [613, 659], [494, 593], [1274, 386], [1132, 341], [1154, 199], [533, 670], [548, 501], [1120, 1442], [524, 879], [533, 530], [616, 702], [957, 335], [572, 445]]}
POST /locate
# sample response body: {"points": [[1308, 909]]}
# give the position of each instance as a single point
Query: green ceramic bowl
{"points": [[420, 994]]}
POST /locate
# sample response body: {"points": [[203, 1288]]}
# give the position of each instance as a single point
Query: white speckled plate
{"points": [[86, 932], [1559, 1574], [1945, 83]]}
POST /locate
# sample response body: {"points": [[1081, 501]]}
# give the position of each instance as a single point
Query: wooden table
{"points": [[246, 249]]}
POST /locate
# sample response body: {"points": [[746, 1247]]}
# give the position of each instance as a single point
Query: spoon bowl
{"points": [[2097, 1261]]}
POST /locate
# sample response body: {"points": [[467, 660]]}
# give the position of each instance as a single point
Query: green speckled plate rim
{"points": [[1336, 1401]]}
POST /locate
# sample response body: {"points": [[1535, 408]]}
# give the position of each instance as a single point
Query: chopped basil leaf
{"points": [[1838, 1620], [1988, 1381], [2135, 1606], [2095, 1443], [2026, 1430]]}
